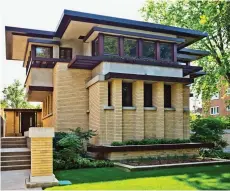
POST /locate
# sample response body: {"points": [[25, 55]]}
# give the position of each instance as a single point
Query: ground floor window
{"points": [[214, 110], [148, 95], [48, 105], [167, 96], [127, 94]]}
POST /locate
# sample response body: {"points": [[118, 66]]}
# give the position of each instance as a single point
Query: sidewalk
{"points": [[15, 180]]}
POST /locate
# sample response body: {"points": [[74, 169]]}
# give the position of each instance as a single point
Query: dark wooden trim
{"points": [[121, 46], [158, 57], [111, 75], [133, 34], [92, 61], [43, 41], [40, 88], [174, 52], [140, 48], [22, 110], [65, 48], [101, 44], [128, 148]]}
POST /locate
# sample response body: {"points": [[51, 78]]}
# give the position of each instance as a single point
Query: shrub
{"points": [[208, 130], [69, 153], [151, 142]]}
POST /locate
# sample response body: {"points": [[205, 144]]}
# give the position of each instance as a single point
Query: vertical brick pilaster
{"points": [[158, 101], [177, 103], [138, 91], [186, 94], [117, 103]]}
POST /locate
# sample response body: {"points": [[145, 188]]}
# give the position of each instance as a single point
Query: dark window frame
{"points": [[118, 44], [127, 101], [38, 46], [167, 96], [109, 94], [65, 48], [139, 47], [148, 95]]}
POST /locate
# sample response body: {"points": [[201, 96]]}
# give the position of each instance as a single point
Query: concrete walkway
{"points": [[15, 180]]}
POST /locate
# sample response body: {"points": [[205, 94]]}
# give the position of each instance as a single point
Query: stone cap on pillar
{"points": [[41, 132]]}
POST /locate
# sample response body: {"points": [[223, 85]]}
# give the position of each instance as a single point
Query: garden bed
{"points": [[148, 164]]}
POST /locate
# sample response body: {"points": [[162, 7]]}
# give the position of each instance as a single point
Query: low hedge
{"points": [[151, 142]]}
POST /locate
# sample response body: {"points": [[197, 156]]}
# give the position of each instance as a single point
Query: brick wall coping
{"points": [[35, 132], [127, 148]]}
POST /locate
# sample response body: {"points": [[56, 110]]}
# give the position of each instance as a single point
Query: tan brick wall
{"points": [[158, 101], [186, 125], [186, 95], [41, 164], [146, 154], [128, 125], [177, 103], [150, 124], [169, 121], [70, 98], [48, 122]]}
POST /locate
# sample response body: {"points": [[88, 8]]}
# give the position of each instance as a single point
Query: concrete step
{"points": [[14, 146], [15, 167], [15, 162], [12, 139], [16, 153], [16, 141], [17, 157]]}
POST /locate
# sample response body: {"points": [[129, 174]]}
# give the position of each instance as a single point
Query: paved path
{"points": [[15, 180]]}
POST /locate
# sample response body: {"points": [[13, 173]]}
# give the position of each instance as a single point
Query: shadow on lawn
{"points": [[206, 177]]}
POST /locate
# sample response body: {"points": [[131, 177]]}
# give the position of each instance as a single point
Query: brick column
{"points": [[117, 103], [186, 94], [158, 101], [138, 94], [41, 156], [177, 103]]}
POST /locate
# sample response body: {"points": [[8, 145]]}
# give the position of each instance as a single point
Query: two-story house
{"points": [[126, 79]]}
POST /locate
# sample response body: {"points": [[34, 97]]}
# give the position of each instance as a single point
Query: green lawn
{"points": [[216, 177]]}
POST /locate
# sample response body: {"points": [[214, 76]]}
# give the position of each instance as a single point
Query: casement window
{"points": [[214, 110], [228, 108], [166, 51], [43, 52], [95, 47], [109, 95], [130, 47], [167, 96], [216, 96], [148, 49], [65, 53], [111, 45], [127, 94], [48, 105], [148, 95], [228, 91]]}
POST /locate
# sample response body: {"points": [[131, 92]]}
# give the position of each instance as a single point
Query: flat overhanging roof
{"points": [[75, 21]]}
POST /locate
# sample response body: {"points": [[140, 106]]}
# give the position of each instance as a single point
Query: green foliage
{"points": [[69, 151], [208, 130], [14, 97], [150, 142], [210, 16], [215, 154]]}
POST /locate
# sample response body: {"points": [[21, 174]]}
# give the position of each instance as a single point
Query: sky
{"points": [[45, 15]]}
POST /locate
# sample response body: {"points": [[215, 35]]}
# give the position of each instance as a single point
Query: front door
{"points": [[27, 121]]}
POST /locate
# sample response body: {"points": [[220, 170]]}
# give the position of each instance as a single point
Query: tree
{"points": [[14, 97], [210, 16]]}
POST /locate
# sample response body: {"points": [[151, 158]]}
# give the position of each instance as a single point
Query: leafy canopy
{"points": [[209, 16], [14, 97]]}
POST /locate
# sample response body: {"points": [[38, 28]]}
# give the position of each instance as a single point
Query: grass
{"points": [[216, 177]]}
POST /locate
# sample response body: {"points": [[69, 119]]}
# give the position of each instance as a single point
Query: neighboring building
{"points": [[126, 79], [17, 121], [220, 103]]}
